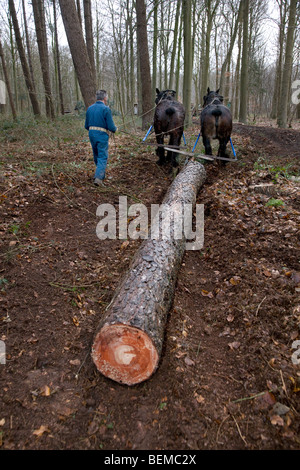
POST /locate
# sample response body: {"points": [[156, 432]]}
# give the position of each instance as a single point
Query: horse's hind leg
{"points": [[172, 156], [160, 151], [222, 150], [207, 146]]}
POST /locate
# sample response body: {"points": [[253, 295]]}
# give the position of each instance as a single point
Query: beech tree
{"points": [[211, 7], [40, 27], [87, 9], [287, 68], [28, 48], [144, 64], [188, 60], [78, 50], [245, 62], [230, 48], [57, 61], [25, 67], [282, 4]]}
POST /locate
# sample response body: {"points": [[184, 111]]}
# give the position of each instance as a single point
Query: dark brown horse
{"points": [[169, 118], [216, 123]]}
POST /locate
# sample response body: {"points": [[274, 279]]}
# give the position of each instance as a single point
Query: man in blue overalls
{"points": [[99, 123]]}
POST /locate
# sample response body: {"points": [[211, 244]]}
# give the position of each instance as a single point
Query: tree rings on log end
{"points": [[124, 353]]}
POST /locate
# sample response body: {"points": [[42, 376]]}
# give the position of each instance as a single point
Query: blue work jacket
{"points": [[99, 115]]}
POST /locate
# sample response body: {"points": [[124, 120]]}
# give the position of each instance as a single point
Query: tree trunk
{"points": [[41, 35], [99, 28], [132, 59], [244, 69], [129, 339], [25, 67], [211, 10], [78, 51], [288, 65], [28, 43], [57, 59], [144, 63], [230, 49], [154, 53], [177, 75], [188, 60], [278, 76], [174, 48], [87, 8], [13, 57], [7, 82], [78, 7], [235, 111]]}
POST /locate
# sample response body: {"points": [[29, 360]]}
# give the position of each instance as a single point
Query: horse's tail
{"points": [[217, 113]]}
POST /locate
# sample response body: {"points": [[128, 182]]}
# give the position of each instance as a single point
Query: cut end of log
{"points": [[124, 354]]}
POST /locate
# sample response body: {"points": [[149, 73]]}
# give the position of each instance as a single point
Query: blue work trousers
{"points": [[99, 142]]}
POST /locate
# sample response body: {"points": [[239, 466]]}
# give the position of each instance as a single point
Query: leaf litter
{"points": [[226, 374]]}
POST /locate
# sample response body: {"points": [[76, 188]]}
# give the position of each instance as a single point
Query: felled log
{"points": [[128, 341]]}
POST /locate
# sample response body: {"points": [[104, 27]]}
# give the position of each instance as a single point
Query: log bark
{"points": [[129, 339]]}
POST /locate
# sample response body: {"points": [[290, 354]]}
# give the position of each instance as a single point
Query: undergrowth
{"points": [[276, 170], [31, 130]]}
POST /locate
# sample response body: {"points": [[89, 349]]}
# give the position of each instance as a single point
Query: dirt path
{"points": [[226, 378]]}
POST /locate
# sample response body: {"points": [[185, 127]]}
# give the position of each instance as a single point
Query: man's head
{"points": [[101, 95]]}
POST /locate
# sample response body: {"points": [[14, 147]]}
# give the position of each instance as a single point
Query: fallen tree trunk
{"points": [[129, 339]]}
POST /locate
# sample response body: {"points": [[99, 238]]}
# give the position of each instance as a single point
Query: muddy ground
{"points": [[228, 378]]}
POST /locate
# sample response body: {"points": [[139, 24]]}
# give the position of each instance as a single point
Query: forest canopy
{"points": [[56, 53]]}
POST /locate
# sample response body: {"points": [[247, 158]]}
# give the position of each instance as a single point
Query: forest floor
{"points": [[228, 376]]}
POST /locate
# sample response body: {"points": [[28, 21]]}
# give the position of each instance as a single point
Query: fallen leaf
{"points": [[205, 293], [277, 420], [272, 361], [39, 432], [189, 361], [199, 398], [296, 384], [265, 401], [235, 280], [45, 391], [75, 362], [267, 273]]}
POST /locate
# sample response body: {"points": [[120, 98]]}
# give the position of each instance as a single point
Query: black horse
{"points": [[169, 118], [216, 123]]}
